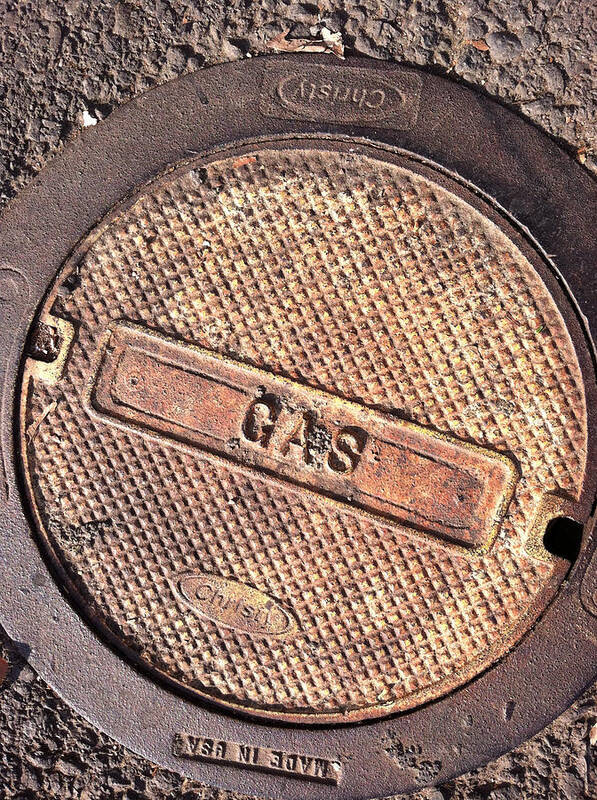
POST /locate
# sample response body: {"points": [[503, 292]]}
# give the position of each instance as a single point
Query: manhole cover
{"points": [[304, 408], [304, 427]]}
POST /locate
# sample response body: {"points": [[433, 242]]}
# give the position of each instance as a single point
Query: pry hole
{"points": [[563, 538]]}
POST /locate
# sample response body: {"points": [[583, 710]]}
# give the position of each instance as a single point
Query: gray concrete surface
{"points": [[68, 63]]}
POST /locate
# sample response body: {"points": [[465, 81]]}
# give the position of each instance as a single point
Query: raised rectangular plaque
{"points": [[381, 465], [266, 759]]}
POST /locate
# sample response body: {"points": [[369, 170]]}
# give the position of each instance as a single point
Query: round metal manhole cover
{"points": [[288, 452], [295, 421]]}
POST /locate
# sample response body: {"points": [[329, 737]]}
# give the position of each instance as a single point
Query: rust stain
{"points": [[243, 161]]}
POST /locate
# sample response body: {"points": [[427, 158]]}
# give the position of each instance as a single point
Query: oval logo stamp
{"points": [[341, 94], [235, 605]]}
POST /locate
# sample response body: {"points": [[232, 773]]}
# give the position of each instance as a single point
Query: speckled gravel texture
{"points": [[68, 63]]}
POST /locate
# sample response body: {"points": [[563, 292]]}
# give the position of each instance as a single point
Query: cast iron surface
{"points": [[534, 183], [341, 385]]}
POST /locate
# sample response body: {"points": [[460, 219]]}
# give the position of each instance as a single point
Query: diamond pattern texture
{"points": [[365, 279]]}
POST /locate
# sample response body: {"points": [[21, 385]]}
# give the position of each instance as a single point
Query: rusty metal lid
{"points": [[304, 426]]}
